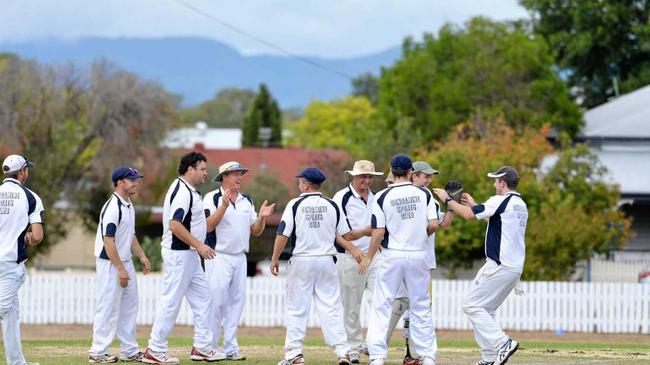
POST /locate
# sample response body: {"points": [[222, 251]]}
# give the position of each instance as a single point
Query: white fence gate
{"points": [[581, 307]]}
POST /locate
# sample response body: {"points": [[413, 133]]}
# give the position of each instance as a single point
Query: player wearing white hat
{"points": [[403, 217], [233, 214], [314, 223], [21, 224], [117, 290], [356, 201], [184, 230], [505, 251]]}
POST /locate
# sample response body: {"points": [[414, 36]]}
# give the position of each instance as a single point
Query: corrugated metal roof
{"points": [[627, 116]]}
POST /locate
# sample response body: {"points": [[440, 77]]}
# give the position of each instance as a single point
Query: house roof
{"points": [[626, 117]]}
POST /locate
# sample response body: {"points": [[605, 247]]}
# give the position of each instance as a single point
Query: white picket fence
{"points": [[59, 298]]}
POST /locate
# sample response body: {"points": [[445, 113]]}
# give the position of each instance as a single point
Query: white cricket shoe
{"points": [[507, 350]]}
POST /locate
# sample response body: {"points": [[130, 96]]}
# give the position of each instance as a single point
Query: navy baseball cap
{"points": [[313, 175], [125, 173], [401, 162]]}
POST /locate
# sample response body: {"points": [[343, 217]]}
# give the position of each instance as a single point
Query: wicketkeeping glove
{"points": [[455, 189]]}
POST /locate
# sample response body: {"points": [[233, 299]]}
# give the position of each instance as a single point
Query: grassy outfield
{"points": [[268, 350]]}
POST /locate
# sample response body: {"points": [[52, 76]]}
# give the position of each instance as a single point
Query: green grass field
{"points": [[268, 350]]}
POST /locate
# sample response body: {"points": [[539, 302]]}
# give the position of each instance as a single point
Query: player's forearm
{"points": [[215, 218], [111, 252], [354, 234], [258, 227], [278, 247], [343, 242], [136, 248], [447, 219], [37, 234], [432, 226], [377, 236], [183, 234], [460, 209]]}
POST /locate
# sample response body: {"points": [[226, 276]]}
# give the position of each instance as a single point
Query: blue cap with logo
{"points": [[312, 175], [401, 162], [125, 173]]}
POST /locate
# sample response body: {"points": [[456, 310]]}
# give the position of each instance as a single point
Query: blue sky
{"points": [[331, 29]]}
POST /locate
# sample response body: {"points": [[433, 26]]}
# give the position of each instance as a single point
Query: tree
{"points": [[600, 43], [487, 67], [77, 126], [366, 85], [572, 210], [263, 113], [227, 109], [352, 125]]}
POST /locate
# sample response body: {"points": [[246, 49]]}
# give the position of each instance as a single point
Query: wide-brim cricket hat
{"points": [[228, 167], [14, 163], [364, 167]]}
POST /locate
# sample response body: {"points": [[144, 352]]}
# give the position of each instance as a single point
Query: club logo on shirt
{"points": [[7, 201], [406, 206], [314, 215]]}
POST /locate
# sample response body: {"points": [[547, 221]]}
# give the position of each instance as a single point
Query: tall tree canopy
{"points": [[77, 125], [599, 43], [486, 67], [227, 109], [262, 113]]}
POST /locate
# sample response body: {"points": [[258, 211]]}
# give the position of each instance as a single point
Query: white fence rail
{"points": [[48, 298]]}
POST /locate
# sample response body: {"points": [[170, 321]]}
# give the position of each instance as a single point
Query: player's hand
{"points": [[357, 254], [225, 198], [205, 251], [266, 210], [441, 193], [275, 267], [146, 265], [124, 277], [467, 199], [363, 265]]}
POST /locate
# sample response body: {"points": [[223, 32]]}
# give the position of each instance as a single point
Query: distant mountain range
{"points": [[197, 68]]}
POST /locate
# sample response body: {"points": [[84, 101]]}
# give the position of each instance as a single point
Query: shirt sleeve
{"points": [[253, 214], [433, 209], [110, 218], [39, 211], [208, 204], [343, 225], [180, 206], [487, 209], [378, 219], [287, 222]]}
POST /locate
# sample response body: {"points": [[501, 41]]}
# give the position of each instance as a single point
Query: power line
{"points": [[263, 41]]}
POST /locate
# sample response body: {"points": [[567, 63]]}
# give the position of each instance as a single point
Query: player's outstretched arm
{"points": [[266, 210], [278, 247], [458, 208]]}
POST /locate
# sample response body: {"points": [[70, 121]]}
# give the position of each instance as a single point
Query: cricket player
{"points": [[403, 217], [356, 201], [116, 310], [21, 224], [184, 230], [314, 223], [505, 251], [233, 214]]}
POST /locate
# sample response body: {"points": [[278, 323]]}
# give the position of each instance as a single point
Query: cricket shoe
{"points": [[137, 357], [151, 357], [298, 359], [507, 350], [101, 358], [208, 356]]}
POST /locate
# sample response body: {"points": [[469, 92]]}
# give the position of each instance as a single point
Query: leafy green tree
{"points": [[366, 85], [487, 68], [227, 109], [78, 126], [263, 113], [572, 210], [600, 43]]}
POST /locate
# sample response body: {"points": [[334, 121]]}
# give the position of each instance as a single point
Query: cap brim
{"points": [[29, 164], [495, 175], [428, 171], [136, 177], [356, 173]]}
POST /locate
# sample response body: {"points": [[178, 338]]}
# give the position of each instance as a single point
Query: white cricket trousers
{"points": [[313, 277], [184, 277], [411, 268], [353, 288], [488, 290], [226, 275], [12, 277], [116, 310]]}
